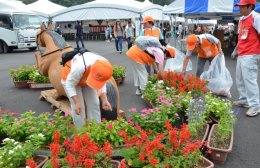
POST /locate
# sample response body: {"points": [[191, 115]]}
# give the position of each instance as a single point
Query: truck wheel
{"points": [[4, 48], [32, 48]]}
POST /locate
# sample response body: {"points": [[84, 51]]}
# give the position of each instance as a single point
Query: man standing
{"points": [[129, 33], [206, 45], [248, 50], [79, 34]]}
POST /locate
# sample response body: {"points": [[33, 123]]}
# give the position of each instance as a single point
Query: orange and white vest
{"points": [[248, 38], [155, 32], [66, 70], [207, 49], [139, 56]]}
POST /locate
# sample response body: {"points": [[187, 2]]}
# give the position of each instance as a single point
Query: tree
{"points": [[69, 3]]}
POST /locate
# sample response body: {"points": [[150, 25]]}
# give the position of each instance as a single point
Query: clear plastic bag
{"points": [[218, 76], [147, 41], [175, 64]]}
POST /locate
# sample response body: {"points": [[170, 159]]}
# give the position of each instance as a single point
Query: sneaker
{"points": [[237, 103], [253, 112], [138, 92]]}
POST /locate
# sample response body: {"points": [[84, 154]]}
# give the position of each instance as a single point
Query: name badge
{"points": [[244, 34]]}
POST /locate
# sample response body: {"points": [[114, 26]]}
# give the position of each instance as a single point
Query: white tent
{"points": [[45, 7], [112, 9]]}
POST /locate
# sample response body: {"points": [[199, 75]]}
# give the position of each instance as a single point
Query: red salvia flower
{"points": [[89, 163], [71, 160], [55, 149], [55, 162], [31, 163], [56, 136], [153, 161]]}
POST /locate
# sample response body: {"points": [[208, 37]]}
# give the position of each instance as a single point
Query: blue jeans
{"points": [[201, 64], [79, 37], [119, 41], [246, 80]]}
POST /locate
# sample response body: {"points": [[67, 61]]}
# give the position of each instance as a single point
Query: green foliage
{"points": [[36, 77], [108, 131], [21, 73], [14, 154], [196, 115], [118, 71], [28, 124]]}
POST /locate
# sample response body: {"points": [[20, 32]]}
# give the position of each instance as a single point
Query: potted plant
{"points": [[197, 119], [172, 148], [107, 131], [14, 154], [38, 81], [119, 74], [80, 152], [221, 137], [20, 128], [20, 76]]}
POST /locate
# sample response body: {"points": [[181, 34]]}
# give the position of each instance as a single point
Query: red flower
{"points": [[31, 163], [89, 163], [56, 136], [153, 161], [71, 160], [107, 148], [55, 162], [55, 149], [123, 164]]}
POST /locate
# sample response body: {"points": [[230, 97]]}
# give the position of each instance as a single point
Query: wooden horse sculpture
{"points": [[49, 65]]}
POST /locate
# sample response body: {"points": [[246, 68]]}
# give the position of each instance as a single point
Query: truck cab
{"points": [[18, 29]]}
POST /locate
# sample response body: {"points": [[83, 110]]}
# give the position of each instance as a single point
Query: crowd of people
{"points": [[89, 72]]}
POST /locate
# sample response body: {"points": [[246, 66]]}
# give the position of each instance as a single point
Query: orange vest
{"points": [[139, 56], [66, 70], [207, 49], [155, 32]]}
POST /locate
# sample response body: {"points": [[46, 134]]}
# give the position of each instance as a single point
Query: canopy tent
{"points": [[45, 7], [214, 9], [112, 9], [15, 5]]}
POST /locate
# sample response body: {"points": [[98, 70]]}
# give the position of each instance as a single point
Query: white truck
{"points": [[18, 28]]}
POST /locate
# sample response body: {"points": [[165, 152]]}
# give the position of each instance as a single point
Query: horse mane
{"points": [[57, 39]]}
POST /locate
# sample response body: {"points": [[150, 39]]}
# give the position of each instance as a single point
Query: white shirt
{"points": [[209, 37], [77, 70]]}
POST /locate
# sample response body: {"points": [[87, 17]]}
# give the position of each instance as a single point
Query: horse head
{"points": [[49, 60]]}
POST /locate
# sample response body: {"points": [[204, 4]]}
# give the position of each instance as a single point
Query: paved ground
{"points": [[246, 150]]}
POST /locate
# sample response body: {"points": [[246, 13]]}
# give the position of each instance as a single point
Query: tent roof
{"points": [[14, 6], [45, 7], [112, 9], [204, 8]]}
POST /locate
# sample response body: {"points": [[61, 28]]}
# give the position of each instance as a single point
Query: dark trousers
{"points": [[129, 42], [79, 37], [201, 64]]}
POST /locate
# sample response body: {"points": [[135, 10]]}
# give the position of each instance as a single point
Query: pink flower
{"points": [[110, 127], [103, 119], [143, 115], [143, 110], [133, 110], [67, 113], [138, 127], [131, 122]]}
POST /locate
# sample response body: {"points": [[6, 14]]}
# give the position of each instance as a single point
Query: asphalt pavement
{"points": [[245, 152]]}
